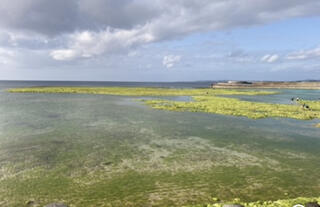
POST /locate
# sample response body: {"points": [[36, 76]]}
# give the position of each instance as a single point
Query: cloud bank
{"points": [[77, 29], [270, 58], [305, 54], [170, 60]]}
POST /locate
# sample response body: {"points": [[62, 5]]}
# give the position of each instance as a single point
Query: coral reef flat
{"points": [[204, 100], [115, 148], [138, 91]]}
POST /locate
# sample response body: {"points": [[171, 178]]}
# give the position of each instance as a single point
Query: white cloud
{"points": [[240, 56], [170, 60], [6, 52], [44, 33], [160, 20], [66, 54], [6, 56], [270, 58], [305, 54], [89, 44]]}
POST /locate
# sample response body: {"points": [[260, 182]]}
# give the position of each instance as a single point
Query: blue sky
{"points": [[140, 40]]}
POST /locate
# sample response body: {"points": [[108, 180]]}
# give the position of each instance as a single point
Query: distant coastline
{"points": [[268, 84]]}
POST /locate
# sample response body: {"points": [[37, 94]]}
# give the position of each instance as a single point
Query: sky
{"points": [[159, 40]]}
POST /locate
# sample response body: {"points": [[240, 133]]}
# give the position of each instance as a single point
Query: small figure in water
{"points": [[305, 106], [298, 99], [292, 99]]}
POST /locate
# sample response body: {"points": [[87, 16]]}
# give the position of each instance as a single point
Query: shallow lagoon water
{"points": [[99, 150], [284, 96]]}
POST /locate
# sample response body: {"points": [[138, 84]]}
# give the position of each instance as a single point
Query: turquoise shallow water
{"points": [[42, 130]]}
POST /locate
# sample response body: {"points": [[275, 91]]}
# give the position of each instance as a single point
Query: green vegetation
{"points": [[134, 91], [278, 203], [236, 107]]}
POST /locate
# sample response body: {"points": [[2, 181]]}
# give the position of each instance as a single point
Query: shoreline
{"points": [[266, 85]]}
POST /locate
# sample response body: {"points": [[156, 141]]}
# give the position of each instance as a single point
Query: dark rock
{"points": [[107, 163], [30, 203], [232, 205], [56, 205], [312, 204]]}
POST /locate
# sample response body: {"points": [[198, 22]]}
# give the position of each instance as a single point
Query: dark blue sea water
{"points": [[199, 84]]}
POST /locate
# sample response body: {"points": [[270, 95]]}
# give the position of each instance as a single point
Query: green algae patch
{"points": [[139, 91], [237, 107], [314, 105], [278, 203], [205, 100]]}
